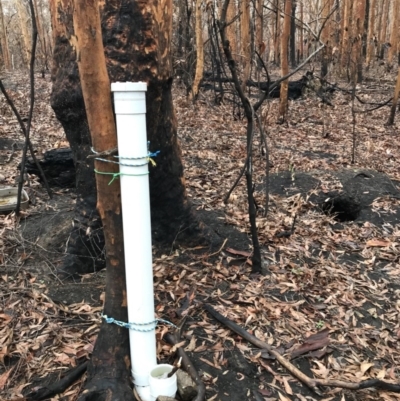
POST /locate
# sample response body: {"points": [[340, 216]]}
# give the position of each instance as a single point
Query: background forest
{"points": [[287, 128]]}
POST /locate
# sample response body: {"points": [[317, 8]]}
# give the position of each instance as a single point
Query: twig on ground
{"points": [[220, 249], [174, 339]]}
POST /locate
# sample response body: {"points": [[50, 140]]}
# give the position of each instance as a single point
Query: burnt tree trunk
{"points": [[109, 367], [136, 38]]}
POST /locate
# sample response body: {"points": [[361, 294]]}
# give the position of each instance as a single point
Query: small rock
{"points": [[2, 178], [187, 388]]}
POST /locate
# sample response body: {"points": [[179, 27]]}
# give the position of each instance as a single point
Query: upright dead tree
{"points": [[137, 39], [283, 104], [249, 111]]}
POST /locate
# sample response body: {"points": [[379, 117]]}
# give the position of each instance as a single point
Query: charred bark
{"points": [[58, 167], [133, 41], [109, 367]]}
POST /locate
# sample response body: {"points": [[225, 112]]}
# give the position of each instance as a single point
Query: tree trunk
{"points": [[345, 45], [24, 23], [325, 37], [358, 38], [245, 41], [292, 36], [277, 51], [109, 368], [199, 50], [231, 28], [186, 55], [44, 37], [394, 31], [86, 242], [137, 48], [283, 105], [371, 32], [301, 31], [260, 45], [4, 41], [395, 100], [383, 28], [380, 8]]}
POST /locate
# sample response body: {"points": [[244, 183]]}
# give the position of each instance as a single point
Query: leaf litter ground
{"points": [[330, 300]]}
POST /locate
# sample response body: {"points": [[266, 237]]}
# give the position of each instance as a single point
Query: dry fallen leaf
{"points": [[365, 366], [377, 242], [4, 378]]}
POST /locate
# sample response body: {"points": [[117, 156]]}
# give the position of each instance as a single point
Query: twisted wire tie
{"points": [[133, 326], [148, 159]]}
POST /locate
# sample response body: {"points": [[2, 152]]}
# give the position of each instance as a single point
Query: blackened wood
{"points": [[58, 166]]}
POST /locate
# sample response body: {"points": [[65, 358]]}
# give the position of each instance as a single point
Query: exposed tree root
{"points": [[103, 388], [59, 387], [312, 383]]}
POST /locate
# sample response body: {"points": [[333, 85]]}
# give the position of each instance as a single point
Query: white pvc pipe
{"points": [[130, 110]]}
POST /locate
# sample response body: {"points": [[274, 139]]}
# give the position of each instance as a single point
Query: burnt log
{"points": [[58, 166], [295, 91]]}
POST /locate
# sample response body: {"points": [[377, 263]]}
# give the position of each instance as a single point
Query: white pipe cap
{"points": [[129, 87]]}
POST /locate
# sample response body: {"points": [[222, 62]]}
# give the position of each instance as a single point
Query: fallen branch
{"points": [[312, 383]]}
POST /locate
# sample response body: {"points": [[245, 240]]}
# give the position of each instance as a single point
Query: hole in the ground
{"points": [[342, 207]]}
